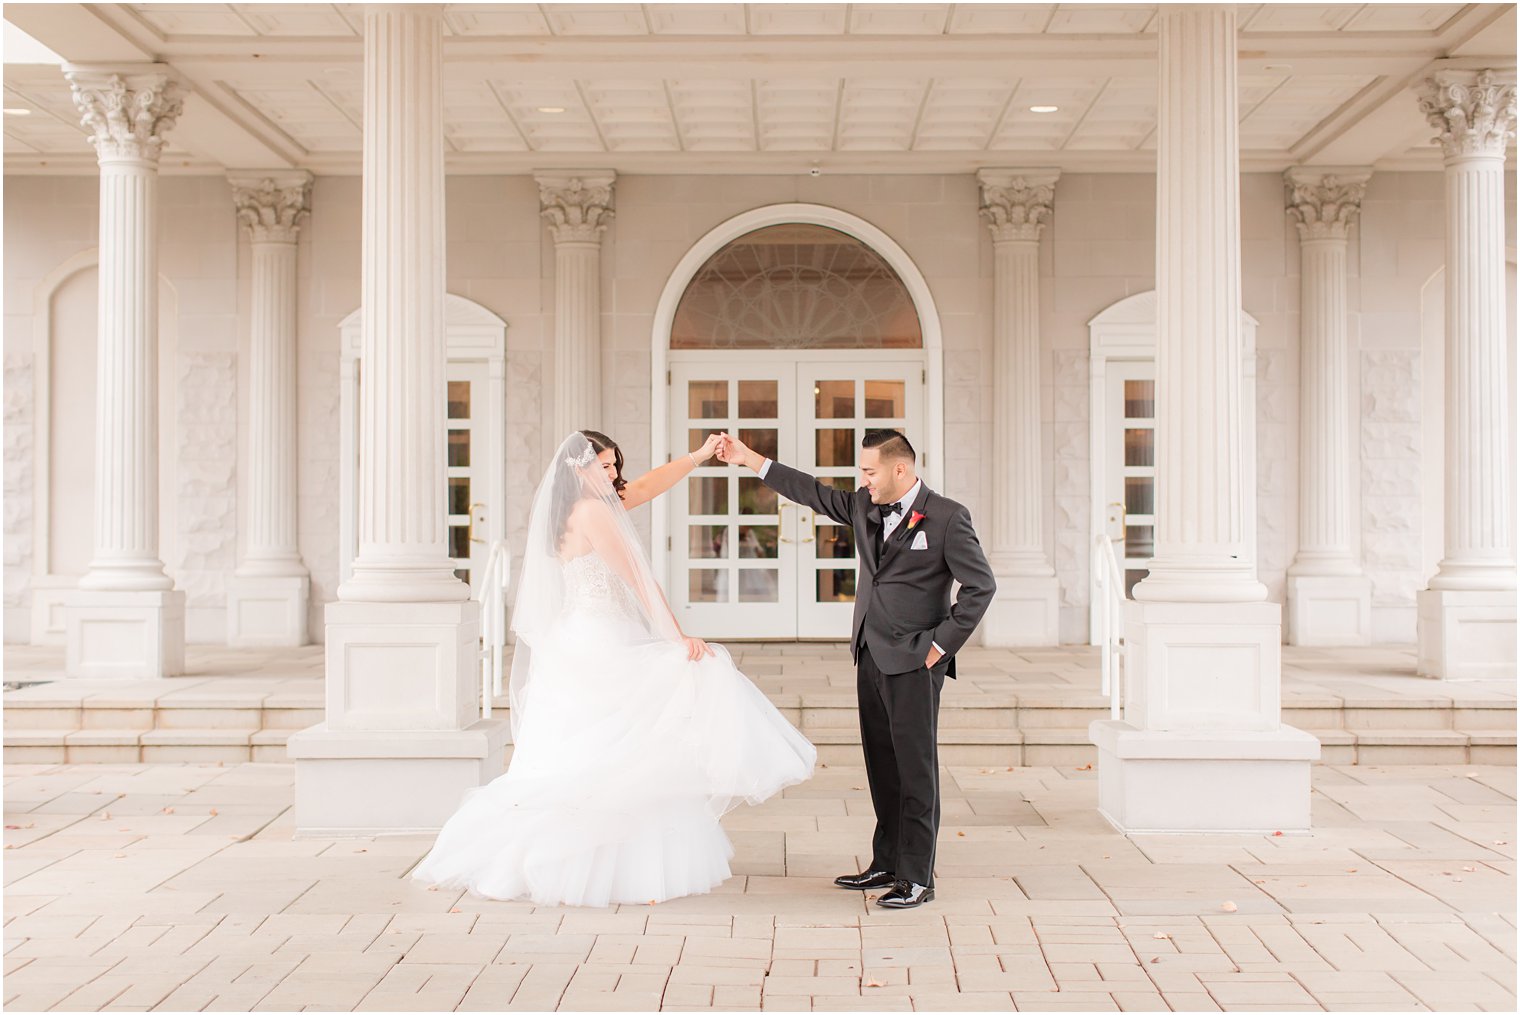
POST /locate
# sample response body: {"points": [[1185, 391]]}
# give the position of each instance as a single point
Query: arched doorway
{"points": [[797, 327]]}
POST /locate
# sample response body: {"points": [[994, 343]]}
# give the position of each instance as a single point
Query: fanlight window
{"points": [[796, 286]]}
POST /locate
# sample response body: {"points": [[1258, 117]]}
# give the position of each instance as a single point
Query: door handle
{"points": [[477, 504], [781, 521], [1121, 519], [812, 522]]}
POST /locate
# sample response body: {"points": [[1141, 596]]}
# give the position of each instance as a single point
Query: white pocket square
{"points": [[920, 541]]}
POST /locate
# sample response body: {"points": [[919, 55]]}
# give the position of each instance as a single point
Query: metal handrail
{"points": [[492, 592], [1108, 579]]}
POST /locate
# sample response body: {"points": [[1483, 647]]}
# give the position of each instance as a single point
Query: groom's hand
{"points": [[935, 655], [735, 452]]}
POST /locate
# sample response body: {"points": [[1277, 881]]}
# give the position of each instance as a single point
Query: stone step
{"points": [[1040, 746]]}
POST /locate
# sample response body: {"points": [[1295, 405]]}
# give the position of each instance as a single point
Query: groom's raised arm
{"points": [[794, 484]]}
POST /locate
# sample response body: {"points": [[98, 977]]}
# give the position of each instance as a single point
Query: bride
{"points": [[630, 739]]}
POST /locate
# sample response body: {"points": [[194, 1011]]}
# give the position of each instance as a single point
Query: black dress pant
{"points": [[899, 731]]}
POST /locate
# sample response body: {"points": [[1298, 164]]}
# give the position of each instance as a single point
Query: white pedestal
{"points": [[133, 635], [1153, 781], [1025, 612], [1194, 667], [267, 611], [373, 782], [1467, 635], [403, 666], [1328, 610]]}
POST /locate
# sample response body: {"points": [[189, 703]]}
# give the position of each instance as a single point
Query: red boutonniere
{"points": [[918, 516]]}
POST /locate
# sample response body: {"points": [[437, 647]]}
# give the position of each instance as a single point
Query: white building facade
{"points": [[1272, 355]]}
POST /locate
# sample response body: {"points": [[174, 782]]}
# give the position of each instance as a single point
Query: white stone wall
{"points": [[1098, 248]]}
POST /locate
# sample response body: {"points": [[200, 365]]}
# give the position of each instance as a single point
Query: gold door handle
{"points": [[812, 521], [477, 504], [781, 521], [1122, 519]]}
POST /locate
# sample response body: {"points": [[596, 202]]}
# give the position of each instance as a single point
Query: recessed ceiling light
{"points": [[18, 111], [551, 109], [1044, 109]]}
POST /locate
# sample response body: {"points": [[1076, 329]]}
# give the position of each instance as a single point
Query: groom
{"points": [[912, 543]]}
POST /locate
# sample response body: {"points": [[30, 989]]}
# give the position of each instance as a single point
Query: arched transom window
{"points": [[796, 286]]}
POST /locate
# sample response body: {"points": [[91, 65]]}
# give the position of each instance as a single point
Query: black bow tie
{"points": [[888, 510]]}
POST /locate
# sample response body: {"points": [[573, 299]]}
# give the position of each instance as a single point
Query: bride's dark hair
{"points": [[570, 491]]}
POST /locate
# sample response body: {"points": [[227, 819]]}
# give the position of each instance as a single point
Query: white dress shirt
{"points": [[893, 520]]}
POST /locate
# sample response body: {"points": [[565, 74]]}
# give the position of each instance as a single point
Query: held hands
{"points": [[709, 448], [735, 452]]}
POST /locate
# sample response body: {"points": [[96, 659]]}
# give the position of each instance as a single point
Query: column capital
{"points": [[126, 108], [1016, 202], [1324, 202], [577, 206], [1474, 110], [272, 205]]}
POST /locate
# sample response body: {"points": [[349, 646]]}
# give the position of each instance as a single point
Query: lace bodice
{"points": [[592, 586]]}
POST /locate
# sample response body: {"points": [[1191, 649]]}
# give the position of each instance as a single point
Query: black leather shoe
{"points": [[867, 879], [906, 895]]}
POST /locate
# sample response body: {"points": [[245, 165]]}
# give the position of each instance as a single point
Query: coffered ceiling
{"points": [[757, 87]]}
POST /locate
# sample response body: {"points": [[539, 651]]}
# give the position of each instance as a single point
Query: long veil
{"points": [[574, 475]]}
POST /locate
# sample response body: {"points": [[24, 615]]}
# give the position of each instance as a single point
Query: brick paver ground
{"points": [[180, 887]]}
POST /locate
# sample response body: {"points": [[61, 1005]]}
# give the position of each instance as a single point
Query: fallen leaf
{"points": [[432, 888], [10, 845], [1162, 935], [1470, 870], [873, 983], [1303, 884], [857, 787], [1229, 907], [1275, 834], [1501, 842], [1259, 881], [120, 855], [822, 765], [652, 902], [213, 812], [1010, 768], [1457, 880], [361, 850], [453, 911], [1472, 775], [1105, 856], [1350, 870], [961, 834], [1085, 768], [120, 796], [1155, 959], [168, 810], [12, 826]]}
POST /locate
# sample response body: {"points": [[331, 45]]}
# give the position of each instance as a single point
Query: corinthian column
{"points": [[125, 619], [578, 209], [1329, 599], [1201, 746], [403, 688], [266, 599], [1467, 615], [1026, 609]]}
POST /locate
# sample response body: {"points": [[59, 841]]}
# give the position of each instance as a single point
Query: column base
{"points": [[131, 635], [1466, 635], [1329, 610], [1025, 612], [403, 666], [1207, 667], [1151, 781], [375, 782], [267, 610]]}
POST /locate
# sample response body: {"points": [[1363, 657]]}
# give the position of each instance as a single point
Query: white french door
{"points": [[469, 450], [746, 563], [1129, 468]]}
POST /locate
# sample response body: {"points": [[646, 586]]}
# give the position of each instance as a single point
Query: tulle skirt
{"points": [[627, 754]]}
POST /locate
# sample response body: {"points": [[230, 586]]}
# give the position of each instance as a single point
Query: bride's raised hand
{"points": [[709, 448], [696, 648]]}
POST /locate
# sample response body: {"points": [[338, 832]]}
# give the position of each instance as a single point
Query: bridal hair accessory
{"points": [[583, 459]]}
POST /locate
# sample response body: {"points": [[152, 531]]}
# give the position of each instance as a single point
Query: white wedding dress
{"points": [[626, 756]]}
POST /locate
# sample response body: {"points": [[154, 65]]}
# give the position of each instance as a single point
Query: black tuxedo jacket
{"points": [[902, 597]]}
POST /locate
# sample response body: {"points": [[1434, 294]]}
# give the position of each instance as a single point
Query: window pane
{"points": [[707, 541], [834, 399], [709, 496], [848, 484], [886, 400], [459, 447], [707, 400], [707, 586], [758, 541], [836, 585], [761, 442], [1140, 541], [755, 498], [459, 495], [836, 542], [1132, 578], [459, 399], [1139, 495], [1140, 447], [835, 447], [459, 541], [757, 399], [759, 585], [1140, 399], [796, 286], [463, 574]]}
